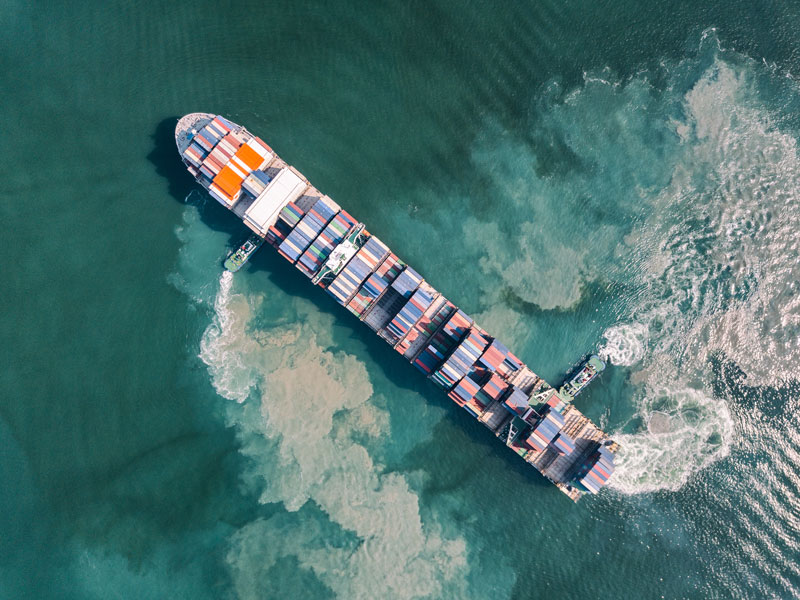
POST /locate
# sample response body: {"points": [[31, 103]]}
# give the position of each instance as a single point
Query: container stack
{"points": [[222, 162], [439, 311], [442, 341], [317, 253], [375, 285], [221, 154], [459, 363], [224, 183], [221, 125], [227, 183], [517, 402], [207, 138], [408, 281], [545, 430], [595, 473], [195, 154], [390, 268], [361, 266], [255, 183], [307, 230], [563, 444], [408, 316], [490, 391], [289, 216], [555, 402], [498, 359], [465, 390]]}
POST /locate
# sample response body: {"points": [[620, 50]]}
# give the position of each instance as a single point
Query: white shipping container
{"points": [[232, 166], [226, 147], [286, 187], [241, 165]]}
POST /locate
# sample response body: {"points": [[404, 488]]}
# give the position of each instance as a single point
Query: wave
{"points": [[719, 276]]}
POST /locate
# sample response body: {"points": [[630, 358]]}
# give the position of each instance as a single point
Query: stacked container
{"points": [[563, 444], [361, 266], [307, 229], [490, 391], [517, 402], [222, 153], [555, 402], [408, 315], [221, 125], [441, 343], [206, 140], [595, 473], [407, 282], [462, 359], [195, 154], [438, 311], [465, 390], [498, 359], [256, 183], [377, 283], [317, 253], [289, 216], [373, 287], [545, 430]]}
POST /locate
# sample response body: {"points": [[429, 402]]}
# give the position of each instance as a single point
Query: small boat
{"points": [[590, 369], [238, 257]]}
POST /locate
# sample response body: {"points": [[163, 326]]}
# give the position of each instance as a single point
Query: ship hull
{"points": [[337, 253]]}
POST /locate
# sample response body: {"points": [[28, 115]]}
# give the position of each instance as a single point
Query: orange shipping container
{"points": [[228, 181], [249, 157]]}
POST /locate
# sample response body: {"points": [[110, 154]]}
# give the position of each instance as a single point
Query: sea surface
{"points": [[613, 177]]}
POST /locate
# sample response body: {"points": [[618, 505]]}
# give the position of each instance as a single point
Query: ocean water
{"points": [[578, 177]]}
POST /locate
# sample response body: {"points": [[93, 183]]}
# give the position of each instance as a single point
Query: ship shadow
{"points": [[292, 282], [180, 184]]}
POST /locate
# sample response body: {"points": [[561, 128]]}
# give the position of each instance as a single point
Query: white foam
{"points": [[222, 345], [719, 277], [625, 344], [700, 431]]}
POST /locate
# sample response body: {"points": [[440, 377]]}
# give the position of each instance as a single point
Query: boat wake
{"points": [[625, 344], [717, 276], [222, 349]]}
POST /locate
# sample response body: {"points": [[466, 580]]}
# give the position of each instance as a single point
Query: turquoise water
{"points": [[577, 177]]}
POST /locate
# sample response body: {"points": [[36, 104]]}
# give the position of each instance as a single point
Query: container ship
{"points": [[337, 252]]}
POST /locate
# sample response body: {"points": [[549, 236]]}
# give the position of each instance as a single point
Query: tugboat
{"points": [[238, 257], [590, 369]]}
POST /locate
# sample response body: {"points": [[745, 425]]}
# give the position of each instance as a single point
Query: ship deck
{"points": [[558, 468]]}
